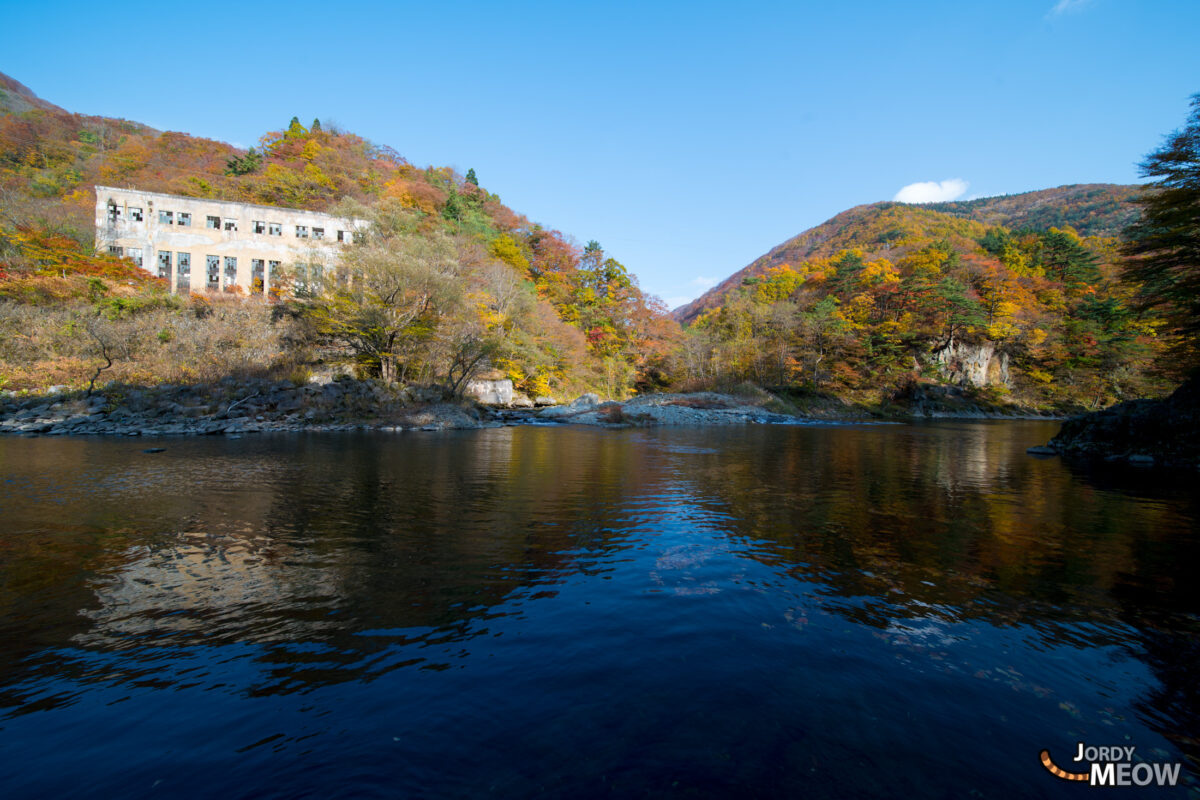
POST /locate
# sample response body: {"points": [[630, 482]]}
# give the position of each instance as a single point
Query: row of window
{"points": [[260, 269], [307, 276], [184, 219]]}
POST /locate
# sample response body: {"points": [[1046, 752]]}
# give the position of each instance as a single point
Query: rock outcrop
{"points": [[1164, 432], [976, 365], [236, 407]]}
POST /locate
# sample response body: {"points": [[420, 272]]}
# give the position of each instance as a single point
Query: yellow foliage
{"points": [[858, 310], [506, 249], [311, 150], [879, 272], [818, 270], [778, 283], [1001, 329]]}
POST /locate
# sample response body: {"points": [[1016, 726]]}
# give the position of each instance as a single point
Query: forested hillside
{"points": [[571, 316], [887, 297], [1101, 210]]}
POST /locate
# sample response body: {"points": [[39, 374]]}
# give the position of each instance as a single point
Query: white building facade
{"points": [[201, 245]]}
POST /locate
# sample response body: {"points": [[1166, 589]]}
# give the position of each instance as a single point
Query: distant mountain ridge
{"points": [[17, 97], [1093, 209]]}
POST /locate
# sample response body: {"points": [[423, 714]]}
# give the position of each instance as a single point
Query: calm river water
{"points": [[855, 611]]}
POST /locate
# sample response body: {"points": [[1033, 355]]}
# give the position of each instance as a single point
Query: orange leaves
{"points": [[35, 250], [416, 194]]}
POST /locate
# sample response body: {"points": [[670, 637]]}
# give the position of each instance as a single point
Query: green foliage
{"points": [[244, 165], [866, 323], [1164, 246], [453, 210], [585, 325], [1062, 256], [295, 130]]}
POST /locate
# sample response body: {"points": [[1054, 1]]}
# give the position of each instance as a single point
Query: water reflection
{"points": [[615, 573]]}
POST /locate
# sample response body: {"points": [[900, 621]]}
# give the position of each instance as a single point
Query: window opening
{"points": [[183, 275], [213, 265]]}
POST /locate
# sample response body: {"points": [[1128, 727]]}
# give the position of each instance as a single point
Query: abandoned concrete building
{"points": [[201, 245]]}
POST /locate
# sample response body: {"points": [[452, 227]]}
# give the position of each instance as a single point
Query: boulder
{"points": [[490, 392]]}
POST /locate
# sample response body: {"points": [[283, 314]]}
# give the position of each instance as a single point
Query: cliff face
{"points": [[974, 365]]}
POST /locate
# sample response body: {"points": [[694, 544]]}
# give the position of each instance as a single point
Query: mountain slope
{"points": [[890, 228], [17, 97], [588, 323]]}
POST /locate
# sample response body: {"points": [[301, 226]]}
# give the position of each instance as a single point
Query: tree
{"points": [[453, 210], [471, 179], [1065, 259], [244, 165], [398, 283], [295, 129], [1164, 245]]}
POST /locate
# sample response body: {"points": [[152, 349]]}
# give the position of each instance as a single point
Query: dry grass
{"points": [[151, 339]]}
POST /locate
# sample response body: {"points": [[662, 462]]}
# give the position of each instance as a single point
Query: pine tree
{"points": [[471, 179], [1164, 245]]}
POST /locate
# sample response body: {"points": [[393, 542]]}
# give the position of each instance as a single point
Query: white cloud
{"points": [[1064, 6], [675, 302], [932, 191], [703, 282]]}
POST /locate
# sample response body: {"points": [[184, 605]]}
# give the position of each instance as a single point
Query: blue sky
{"points": [[688, 138]]}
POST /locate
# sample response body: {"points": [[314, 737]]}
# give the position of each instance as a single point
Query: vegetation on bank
{"points": [[449, 282], [874, 307], [1164, 270], [923, 290]]}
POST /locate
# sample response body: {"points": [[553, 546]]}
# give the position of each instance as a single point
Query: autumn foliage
{"points": [[903, 285], [603, 332]]}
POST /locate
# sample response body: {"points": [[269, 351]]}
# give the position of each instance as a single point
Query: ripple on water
{"points": [[529, 610]]}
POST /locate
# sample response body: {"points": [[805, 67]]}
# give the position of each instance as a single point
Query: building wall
{"points": [[283, 255]]}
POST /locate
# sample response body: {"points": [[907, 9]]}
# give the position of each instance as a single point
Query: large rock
{"points": [[1167, 431], [975, 365], [491, 392]]}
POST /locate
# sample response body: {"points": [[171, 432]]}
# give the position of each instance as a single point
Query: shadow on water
{"points": [[532, 610]]}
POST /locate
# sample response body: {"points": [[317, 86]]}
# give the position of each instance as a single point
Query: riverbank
{"points": [[236, 407], [1147, 432]]}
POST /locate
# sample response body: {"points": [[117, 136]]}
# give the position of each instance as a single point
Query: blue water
{"points": [[883, 611]]}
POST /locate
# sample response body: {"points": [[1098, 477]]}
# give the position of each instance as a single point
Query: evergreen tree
{"points": [[295, 129], [1065, 258], [316, 126], [1164, 245], [244, 165], [453, 210], [471, 179]]}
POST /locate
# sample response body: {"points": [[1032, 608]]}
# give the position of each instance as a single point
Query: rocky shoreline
{"points": [[1140, 432], [234, 408], [238, 407]]}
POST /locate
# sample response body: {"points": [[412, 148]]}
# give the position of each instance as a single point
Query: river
{"points": [[769, 611]]}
